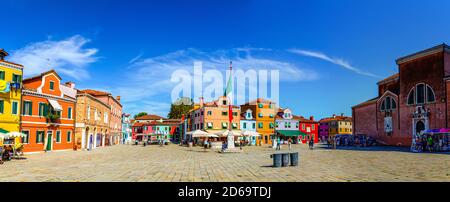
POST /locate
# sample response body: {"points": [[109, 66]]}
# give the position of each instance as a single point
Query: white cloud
{"points": [[336, 61], [151, 76], [67, 56]]}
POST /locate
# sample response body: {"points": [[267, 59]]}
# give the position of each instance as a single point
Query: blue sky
{"points": [[337, 49]]}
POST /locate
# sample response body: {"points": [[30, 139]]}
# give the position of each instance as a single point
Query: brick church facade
{"points": [[413, 100]]}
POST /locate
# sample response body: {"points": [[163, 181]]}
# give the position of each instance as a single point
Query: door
{"points": [[49, 140], [420, 126]]}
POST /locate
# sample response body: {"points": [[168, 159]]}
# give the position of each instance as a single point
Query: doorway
{"points": [[49, 140], [420, 126]]}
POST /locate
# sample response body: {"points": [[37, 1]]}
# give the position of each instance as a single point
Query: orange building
{"points": [[48, 113], [264, 112]]}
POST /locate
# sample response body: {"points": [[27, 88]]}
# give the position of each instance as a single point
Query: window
{"points": [[234, 125], [69, 113], [43, 109], [260, 125], [253, 125], [2, 75], [244, 125], [15, 107], [210, 125], [209, 113], [313, 127], [69, 136], [224, 113], [39, 136], [224, 125], [260, 115], [303, 126], [387, 104], [260, 105], [224, 102], [430, 94], [249, 115], [235, 113], [58, 136], [26, 139], [271, 125], [2, 106], [420, 94], [271, 115], [27, 108], [52, 85], [411, 96], [17, 78], [88, 111]]}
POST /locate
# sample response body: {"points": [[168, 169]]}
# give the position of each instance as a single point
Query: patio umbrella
{"points": [[200, 133], [251, 134], [15, 134], [225, 133]]}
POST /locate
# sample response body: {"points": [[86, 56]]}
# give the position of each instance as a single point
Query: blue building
{"points": [[248, 123]]}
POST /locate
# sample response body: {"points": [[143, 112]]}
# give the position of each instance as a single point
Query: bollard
{"points": [[294, 159], [285, 160], [276, 160]]}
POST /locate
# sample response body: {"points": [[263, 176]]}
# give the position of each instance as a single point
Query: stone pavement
{"points": [[174, 164]]}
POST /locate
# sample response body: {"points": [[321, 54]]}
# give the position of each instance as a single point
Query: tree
{"points": [[179, 107], [140, 114]]}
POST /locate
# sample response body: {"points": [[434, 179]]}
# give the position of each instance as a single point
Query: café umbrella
{"points": [[200, 133]]}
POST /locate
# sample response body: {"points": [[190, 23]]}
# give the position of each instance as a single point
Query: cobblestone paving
{"points": [[174, 163]]}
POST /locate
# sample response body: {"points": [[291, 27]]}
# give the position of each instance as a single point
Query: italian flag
{"points": [[228, 93]]}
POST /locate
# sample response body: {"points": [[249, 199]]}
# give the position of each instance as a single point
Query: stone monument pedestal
{"points": [[230, 144]]}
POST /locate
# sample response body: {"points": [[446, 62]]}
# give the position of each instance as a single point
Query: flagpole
{"points": [[230, 108]]}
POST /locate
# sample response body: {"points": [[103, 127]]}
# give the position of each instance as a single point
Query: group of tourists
{"points": [[290, 142], [349, 141], [432, 143]]}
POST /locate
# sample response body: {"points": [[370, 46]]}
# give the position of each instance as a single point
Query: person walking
{"points": [[290, 143], [240, 144], [278, 144], [311, 143]]}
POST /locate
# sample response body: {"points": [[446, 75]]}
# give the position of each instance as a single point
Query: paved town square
{"points": [[182, 164]]}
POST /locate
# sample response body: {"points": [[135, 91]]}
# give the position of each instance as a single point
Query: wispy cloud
{"points": [[151, 76], [336, 61], [68, 56], [135, 58]]}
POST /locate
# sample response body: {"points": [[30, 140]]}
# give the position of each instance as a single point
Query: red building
{"points": [[309, 127], [413, 100]]}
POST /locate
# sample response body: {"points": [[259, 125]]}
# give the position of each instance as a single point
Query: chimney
{"points": [[118, 98], [342, 114], [70, 84], [201, 101], [3, 54], [311, 118], [334, 115]]}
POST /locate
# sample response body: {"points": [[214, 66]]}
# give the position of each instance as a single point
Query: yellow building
{"points": [[10, 94], [338, 125]]}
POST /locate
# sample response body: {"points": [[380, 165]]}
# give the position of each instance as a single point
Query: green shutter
{"points": [[1, 106], [69, 113], [2, 75], [58, 136], [14, 107], [52, 85], [69, 136]]}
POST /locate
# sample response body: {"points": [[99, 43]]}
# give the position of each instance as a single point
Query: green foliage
{"points": [[140, 114], [180, 107], [52, 117]]}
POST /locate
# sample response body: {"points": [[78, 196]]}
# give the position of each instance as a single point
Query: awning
{"points": [[3, 131], [56, 106], [291, 133]]}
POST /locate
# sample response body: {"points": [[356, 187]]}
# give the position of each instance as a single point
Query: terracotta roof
{"points": [[388, 79], [373, 100], [336, 118], [42, 74], [150, 117], [303, 119], [259, 100], [137, 124], [95, 92]]}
